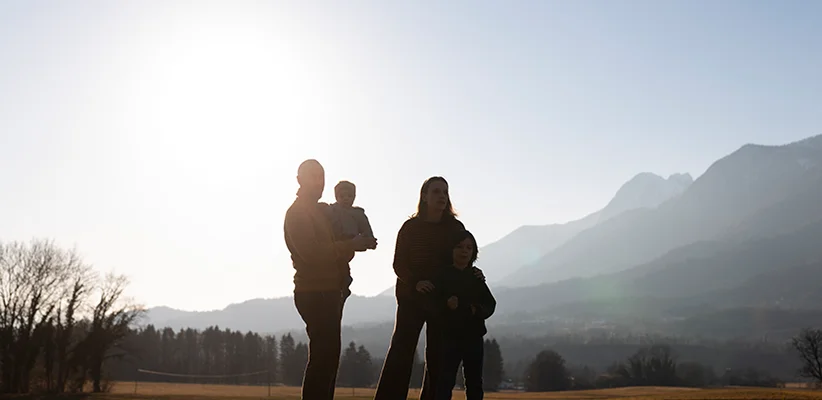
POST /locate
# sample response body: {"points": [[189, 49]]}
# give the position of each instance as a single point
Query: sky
{"points": [[161, 139]]}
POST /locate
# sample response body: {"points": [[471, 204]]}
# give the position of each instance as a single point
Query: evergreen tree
{"points": [[212, 349], [547, 373], [347, 377], [492, 367], [290, 368], [366, 365], [299, 362], [193, 359], [271, 357], [355, 367]]}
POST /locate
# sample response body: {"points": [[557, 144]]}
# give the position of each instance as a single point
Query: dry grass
{"points": [[171, 391]]}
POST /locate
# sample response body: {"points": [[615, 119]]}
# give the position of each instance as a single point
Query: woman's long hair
{"points": [[422, 206]]}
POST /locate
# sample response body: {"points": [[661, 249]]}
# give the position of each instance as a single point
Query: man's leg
{"points": [[333, 383], [396, 371], [472, 351], [321, 312]]}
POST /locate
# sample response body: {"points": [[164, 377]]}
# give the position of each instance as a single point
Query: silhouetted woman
{"points": [[423, 246]]}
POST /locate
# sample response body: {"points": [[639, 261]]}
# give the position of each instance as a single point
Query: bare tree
{"points": [[809, 346], [651, 366], [32, 278], [75, 298], [111, 319], [11, 290]]}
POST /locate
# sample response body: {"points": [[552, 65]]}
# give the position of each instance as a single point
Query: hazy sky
{"points": [[162, 138]]}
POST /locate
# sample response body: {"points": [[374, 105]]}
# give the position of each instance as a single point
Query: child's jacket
{"points": [[470, 291], [349, 222]]}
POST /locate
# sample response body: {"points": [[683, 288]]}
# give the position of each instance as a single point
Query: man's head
{"points": [[345, 192], [311, 177]]}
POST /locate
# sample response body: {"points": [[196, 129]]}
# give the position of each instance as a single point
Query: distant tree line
{"points": [[60, 321], [217, 355], [657, 365], [771, 357], [66, 328], [212, 352]]}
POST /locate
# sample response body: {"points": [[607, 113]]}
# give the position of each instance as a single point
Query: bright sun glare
{"points": [[223, 94]]}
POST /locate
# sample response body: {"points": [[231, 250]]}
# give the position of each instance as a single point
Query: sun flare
{"points": [[209, 96]]}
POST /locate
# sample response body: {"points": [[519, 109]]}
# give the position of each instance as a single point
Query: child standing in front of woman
{"points": [[463, 302]]}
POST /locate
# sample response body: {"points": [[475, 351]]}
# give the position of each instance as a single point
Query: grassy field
{"points": [[168, 391]]}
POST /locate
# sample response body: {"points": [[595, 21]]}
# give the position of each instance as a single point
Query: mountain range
{"points": [[665, 253], [528, 244], [728, 201]]}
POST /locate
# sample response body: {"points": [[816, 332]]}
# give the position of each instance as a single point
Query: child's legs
{"points": [[449, 363], [472, 355]]}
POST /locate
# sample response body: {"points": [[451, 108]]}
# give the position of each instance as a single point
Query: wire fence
{"points": [[264, 380]]}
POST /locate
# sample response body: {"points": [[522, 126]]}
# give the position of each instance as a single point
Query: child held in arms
{"points": [[462, 302], [347, 221]]}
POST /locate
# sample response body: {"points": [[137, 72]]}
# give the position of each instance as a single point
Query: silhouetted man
{"points": [[319, 262]]}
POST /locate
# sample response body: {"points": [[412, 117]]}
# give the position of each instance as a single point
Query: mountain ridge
{"points": [[528, 243], [733, 189]]}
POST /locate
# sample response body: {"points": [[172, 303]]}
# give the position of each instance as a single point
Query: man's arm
{"points": [[299, 229]]}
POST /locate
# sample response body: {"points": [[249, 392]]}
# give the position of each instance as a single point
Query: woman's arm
{"points": [[402, 256]]}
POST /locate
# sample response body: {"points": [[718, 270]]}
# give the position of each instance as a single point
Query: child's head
{"points": [[345, 192], [463, 249]]}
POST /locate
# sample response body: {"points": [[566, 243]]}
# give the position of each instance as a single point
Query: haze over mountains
{"points": [[527, 244], [737, 190], [735, 250]]}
